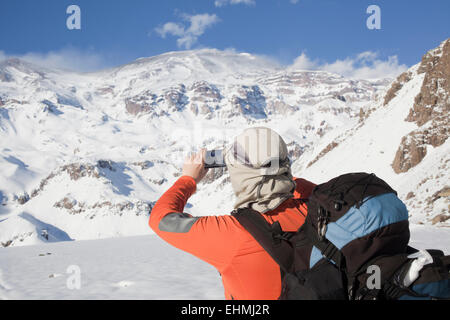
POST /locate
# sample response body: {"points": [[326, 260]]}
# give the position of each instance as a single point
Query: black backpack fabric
{"points": [[354, 222]]}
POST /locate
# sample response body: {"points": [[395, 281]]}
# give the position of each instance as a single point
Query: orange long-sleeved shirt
{"points": [[248, 272]]}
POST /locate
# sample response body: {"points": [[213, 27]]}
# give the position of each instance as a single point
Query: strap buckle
{"points": [[323, 219]]}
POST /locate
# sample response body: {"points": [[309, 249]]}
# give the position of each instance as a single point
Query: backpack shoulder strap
{"points": [[326, 247], [270, 236]]}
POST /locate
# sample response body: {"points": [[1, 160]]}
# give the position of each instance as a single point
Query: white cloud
{"points": [[304, 63], [221, 3], [365, 65], [367, 56], [170, 28], [3, 56], [188, 35], [67, 58]]}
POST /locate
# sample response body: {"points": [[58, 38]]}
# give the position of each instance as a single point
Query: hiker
{"points": [[261, 179]]}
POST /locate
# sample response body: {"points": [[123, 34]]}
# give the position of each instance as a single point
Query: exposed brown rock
{"points": [[22, 199], [204, 90], [158, 181], [280, 107], [64, 203], [11, 101], [433, 99], [43, 183], [144, 164], [335, 110], [213, 175], [105, 90], [135, 108], [19, 237], [75, 207], [250, 102], [77, 171], [205, 109], [176, 98], [327, 149], [410, 195], [440, 218], [364, 114], [102, 204], [445, 192], [144, 103], [396, 86], [74, 170], [295, 150], [177, 174], [431, 110], [286, 91], [409, 154], [6, 244]]}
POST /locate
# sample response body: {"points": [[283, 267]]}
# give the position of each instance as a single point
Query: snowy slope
{"points": [[142, 267], [374, 143]]}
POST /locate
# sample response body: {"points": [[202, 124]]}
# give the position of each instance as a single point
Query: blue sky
{"points": [[321, 32]]}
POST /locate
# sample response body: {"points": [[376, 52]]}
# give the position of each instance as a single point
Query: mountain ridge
{"points": [[85, 156]]}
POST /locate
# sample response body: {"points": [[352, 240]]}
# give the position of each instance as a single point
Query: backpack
{"points": [[352, 246]]}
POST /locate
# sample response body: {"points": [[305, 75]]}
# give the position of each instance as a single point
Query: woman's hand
{"points": [[194, 166]]}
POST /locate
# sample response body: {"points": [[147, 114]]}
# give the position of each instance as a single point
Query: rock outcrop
{"points": [[431, 109]]}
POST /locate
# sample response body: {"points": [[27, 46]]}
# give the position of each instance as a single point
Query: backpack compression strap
{"points": [[270, 236]]}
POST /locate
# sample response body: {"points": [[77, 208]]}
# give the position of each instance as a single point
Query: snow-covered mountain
{"points": [[84, 156], [402, 138]]}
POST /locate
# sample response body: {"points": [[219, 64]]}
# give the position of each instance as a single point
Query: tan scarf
{"points": [[260, 170]]}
